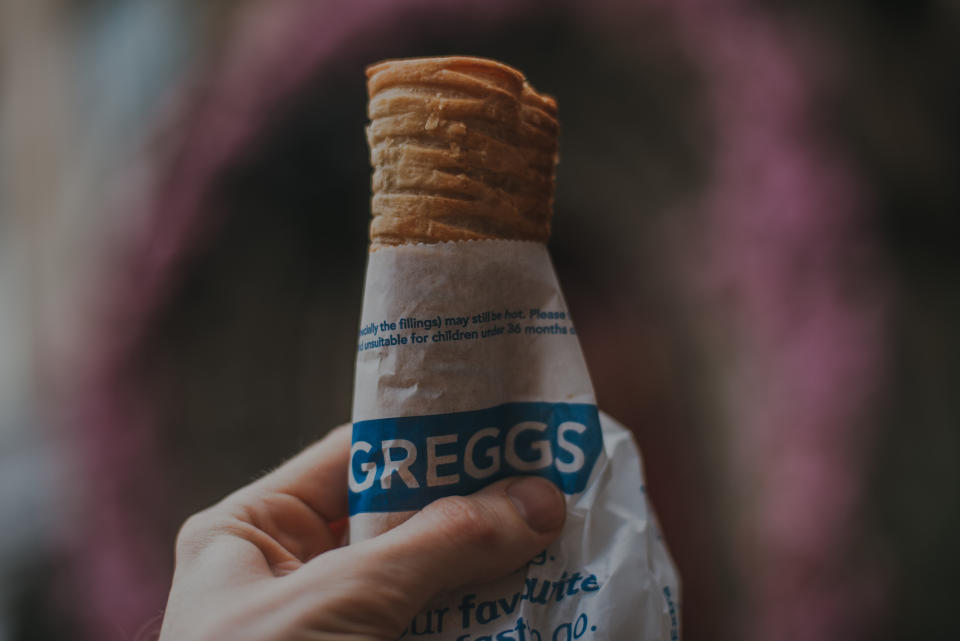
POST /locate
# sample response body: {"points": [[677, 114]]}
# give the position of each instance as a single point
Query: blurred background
{"points": [[756, 228]]}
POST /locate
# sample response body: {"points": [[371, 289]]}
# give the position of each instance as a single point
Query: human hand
{"points": [[265, 564]]}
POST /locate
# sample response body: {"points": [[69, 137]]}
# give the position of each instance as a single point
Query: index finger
{"points": [[317, 476]]}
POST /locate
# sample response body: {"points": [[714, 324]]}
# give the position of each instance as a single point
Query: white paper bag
{"points": [[469, 370]]}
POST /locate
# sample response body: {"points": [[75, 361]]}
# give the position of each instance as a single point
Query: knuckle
{"points": [[467, 521], [194, 535]]}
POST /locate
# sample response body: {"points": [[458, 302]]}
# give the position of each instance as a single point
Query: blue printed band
{"points": [[405, 463]]}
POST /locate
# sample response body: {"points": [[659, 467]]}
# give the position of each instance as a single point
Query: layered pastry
{"points": [[462, 149]]}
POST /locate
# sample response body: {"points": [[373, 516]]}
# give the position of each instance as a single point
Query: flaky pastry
{"points": [[462, 149]]}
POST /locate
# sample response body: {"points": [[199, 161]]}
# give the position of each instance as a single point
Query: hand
{"points": [[265, 564]]}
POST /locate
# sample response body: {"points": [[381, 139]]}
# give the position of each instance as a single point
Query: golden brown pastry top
{"points": [[462, 148]]}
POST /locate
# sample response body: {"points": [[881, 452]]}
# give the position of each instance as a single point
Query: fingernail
{"points": [[539, 503]]}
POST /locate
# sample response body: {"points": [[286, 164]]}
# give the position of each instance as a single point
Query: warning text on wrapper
{"points": [[405, 463], [481, 325]]}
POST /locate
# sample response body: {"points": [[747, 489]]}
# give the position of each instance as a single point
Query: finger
{"points": [[317, 476], [285, 514], [461, 540], [454, 541]]}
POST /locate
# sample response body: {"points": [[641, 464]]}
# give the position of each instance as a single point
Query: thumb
{"points": [[452, 542], [474, 539]]}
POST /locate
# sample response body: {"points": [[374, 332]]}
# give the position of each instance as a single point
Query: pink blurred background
{"points": [[756, 228]]}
